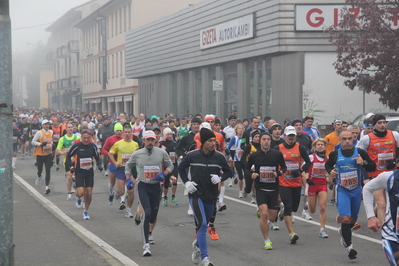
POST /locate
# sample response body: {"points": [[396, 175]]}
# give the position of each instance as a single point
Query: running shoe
{"points": [[86, 215], [190, 211], [206, 262], [151, 240], [244, 194], [122, 206], [196, 256], [212, 233], [351, 252], [35, 163], [106, 173], [14, 168], [165, 202], [79, 203], [306, 215], [174, 201], [356, 226], [235, 180], [257, 213], [281, 213], [293, 238], [275, 226], [323, 234], [268, 245], [240, 194], [128, 213], [230, 182], [342, 238], [38, 180], [57, 167], [117, 197], [332, 202], [137, 219], [47, 190], [69, 197], [146, 250], [253, 199], [221, 206], [111, 199]]}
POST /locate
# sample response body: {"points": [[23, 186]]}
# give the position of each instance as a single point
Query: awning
{"points": [[96, 100], [128, 98], [85, 101], [118, 99], [111, 99]]}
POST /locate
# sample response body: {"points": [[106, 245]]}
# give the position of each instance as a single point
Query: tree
{"points": [[368, 48]]}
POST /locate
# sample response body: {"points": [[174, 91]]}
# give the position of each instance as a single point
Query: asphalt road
{"points": [[111, 239]]}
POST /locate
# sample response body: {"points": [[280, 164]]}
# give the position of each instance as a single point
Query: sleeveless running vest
{"points": [[293, 160], [317, 171], [349, 175], [381, 150], [46, 150]]}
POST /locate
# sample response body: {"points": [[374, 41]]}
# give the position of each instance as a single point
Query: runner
{"points": [[24, 129], [124, 149], [381, 145], [34, 127], [317, 182], [170, 145], [56, 137], [291, 181], [344, 166], [104, 132], [16, 135], [313, 132], [149, 161], [388, 181], [63, 147], [43, 140], [235, 156], [205, 166], [82, 166], [266, 173]]}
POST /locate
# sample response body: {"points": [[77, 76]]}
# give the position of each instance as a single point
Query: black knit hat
{"points": [[378, 117], [206, 134]]}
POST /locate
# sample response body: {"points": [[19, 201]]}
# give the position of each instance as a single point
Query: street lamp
{"points": [[361, 88]]}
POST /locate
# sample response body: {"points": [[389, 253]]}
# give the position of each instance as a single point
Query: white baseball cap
{"points": [[290, 130], [369, 115], [206, 125], [167, 131], [149, 134], [46, 121]]}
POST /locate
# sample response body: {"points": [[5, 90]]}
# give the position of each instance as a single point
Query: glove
{"points": [[160, 177], [100, 168], [215, 179], [43, 144], [391, 164], [296, 173], [310, 182], [129, 184], [191, 186], [73, 170]]}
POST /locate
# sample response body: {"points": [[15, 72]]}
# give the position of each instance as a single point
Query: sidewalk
{"points": [[41, 239]]}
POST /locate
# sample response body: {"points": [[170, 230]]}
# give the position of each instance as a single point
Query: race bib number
{"points": [[290, 167], [56, 138], [47, 149], [383, 159], [14, 139], [150, 172], [397, 221], [172, 156], [34, 131], [239, 154], [126, 157], [266, 174], [319, 171], [86, 163], [25, 131], [349, 180]]}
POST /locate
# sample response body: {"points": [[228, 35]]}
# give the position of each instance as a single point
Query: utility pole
{"points": [[6, 109]]}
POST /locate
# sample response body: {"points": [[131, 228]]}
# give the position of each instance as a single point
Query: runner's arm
{"points": [[380, 182]]}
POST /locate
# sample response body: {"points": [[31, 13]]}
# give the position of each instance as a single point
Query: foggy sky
{"points": [[28, 13]]}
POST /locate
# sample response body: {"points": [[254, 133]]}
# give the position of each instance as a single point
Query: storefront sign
{"points": [[218, 85], [321, 17], [228, 32]]}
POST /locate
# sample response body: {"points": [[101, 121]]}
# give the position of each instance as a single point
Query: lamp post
{"points": [[361, 88]]}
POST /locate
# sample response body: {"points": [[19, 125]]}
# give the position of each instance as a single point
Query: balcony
{"points": [[52, 85], [50, 57], [73, 46], [72, 82], [62, 52]]}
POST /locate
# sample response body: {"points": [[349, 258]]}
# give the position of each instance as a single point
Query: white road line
{"points": [[311, 222], [66, 219]]}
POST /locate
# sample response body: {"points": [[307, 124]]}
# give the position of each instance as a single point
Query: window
{"points": [[112, 25], [129, 16], [113, 67], [124, 18], [120, 20], [116, 22], [109, 22], [95, 33], [122, 63], [108, 67], [116, 64]]}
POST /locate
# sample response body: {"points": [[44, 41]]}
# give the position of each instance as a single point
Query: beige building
{"points": [[103, 81]]}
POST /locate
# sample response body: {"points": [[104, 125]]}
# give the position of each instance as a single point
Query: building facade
{"points": [[271, 58]]}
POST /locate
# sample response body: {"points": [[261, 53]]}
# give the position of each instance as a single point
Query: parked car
{"points": [[360, 118], [393, 123]]}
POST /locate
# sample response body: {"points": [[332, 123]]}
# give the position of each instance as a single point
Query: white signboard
{"points": [[228, 32], [218, 85], [321, 17]]}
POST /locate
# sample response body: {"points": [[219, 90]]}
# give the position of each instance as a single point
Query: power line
{"points": [[23, 28]]}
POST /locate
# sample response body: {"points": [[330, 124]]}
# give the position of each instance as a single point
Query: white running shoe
{"points": [[230, 182], [196, 256], [69, 197], [351, 252], [106, 173], [146, 250], [86, 215], [240, 194], [306, 215], [128, 213], [253, 199], [323, 234], [151, 240], [206, 262], [38, 180], [190, 211], [79, 204], [221, 206]]}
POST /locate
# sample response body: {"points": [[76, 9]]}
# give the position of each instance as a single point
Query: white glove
{"points": [[190, 186], [215, 179]]}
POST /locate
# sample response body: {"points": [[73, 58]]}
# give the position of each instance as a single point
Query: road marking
{"points": [[311, 222], [66, 219]]}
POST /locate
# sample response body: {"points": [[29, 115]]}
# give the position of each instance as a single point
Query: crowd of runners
{"points": [[277, 166]]}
